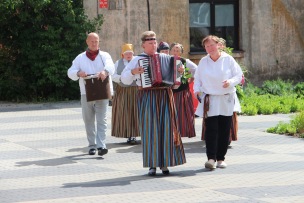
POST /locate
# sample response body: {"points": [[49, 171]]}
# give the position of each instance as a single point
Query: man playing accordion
{"points": [[160, 137]]}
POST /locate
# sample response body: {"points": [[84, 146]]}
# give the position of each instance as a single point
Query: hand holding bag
{"points": [[96, 89]]}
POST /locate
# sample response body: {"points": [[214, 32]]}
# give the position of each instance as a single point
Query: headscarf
{"points": [[126, 48], [162, 46]]}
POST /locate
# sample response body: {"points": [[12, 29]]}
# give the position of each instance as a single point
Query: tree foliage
{"points": [[38, 41]]}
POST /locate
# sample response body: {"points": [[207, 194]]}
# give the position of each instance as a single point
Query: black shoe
{"points": [[152, 172], [102, 151], [129, 140], [133, 140], [165, 170], [92, 151]]}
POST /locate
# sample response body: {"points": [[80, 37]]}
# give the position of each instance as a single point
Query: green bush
{"points": [[299, 89], [283, 100], [265, 109], [250, 90], [249, 110], [298, 122], [39, 39], [276, 87], [295, 126]]}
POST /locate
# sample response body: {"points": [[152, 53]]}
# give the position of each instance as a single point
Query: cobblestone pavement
{"points": [[44, 159]]}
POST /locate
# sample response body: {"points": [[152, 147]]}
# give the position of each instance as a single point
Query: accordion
{"points": [[160, 71]]}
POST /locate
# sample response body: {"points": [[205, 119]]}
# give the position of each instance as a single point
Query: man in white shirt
{"points": [[98, 63]]}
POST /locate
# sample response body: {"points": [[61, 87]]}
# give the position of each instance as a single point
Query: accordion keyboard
{"points": [[145, 77]]}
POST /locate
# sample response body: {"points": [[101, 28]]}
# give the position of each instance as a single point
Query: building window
{"points": [[216, 17]]}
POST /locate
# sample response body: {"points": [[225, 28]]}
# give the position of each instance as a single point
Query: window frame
{"points": [[213, 3]]}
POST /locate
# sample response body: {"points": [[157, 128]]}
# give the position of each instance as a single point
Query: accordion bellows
{"points": [[160, 70]]}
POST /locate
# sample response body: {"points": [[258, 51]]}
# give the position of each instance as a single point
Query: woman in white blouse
{"points": [[215, 79]]}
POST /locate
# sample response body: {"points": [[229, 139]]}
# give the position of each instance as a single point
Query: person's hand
{"points": [[81, 74], [102, 75], [181, 69], [226, 84], [138, 70], [196, 94]]}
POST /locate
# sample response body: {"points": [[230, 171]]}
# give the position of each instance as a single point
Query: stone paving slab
{"points": [[43, 158]]}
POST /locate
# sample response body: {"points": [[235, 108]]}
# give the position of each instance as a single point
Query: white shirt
{"points": [[82, 63], [126, 75], [208, 79], [115, 76], [192, 66]]}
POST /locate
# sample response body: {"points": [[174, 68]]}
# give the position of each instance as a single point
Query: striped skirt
{"points": [[160, 138], [185, 113], [124, 113]]}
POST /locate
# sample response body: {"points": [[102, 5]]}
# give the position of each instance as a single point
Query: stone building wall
{"points": [[271, 32], [273, 39]]}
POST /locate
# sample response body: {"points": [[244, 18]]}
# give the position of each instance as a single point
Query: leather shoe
{"points": [[102, 151], [165, 170], [92, 151], [152, 172]]}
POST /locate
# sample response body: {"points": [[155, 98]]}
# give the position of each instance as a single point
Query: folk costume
{"points": [[124, 106], [184, 105], [161, 142]]}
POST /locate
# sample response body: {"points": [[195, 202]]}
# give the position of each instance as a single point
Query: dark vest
{"points": [[119, 70]]}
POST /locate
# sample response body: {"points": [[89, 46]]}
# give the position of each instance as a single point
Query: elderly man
{"points": [[100, 64]]}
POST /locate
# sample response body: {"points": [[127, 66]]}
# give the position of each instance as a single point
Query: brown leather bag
{"points": [[96, 89]]}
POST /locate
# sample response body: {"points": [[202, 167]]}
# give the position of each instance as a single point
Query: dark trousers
{"points": [[217, 136]]}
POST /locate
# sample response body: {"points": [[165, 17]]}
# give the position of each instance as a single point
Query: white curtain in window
{"points": [[199, 15], [224, 15]]}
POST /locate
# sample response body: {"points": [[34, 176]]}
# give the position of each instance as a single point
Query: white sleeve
{"points": [[197, 78], [126, 76], [115, 76], [192, 66], [73, 70], [236, 73], [108, 62]]}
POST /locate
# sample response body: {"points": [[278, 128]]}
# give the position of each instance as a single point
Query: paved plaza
{"points": [[43, 158]]}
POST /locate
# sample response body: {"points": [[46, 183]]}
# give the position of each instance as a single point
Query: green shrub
{"points": [[295, 126], [277, 87], [299, 89], [250, 110], [282, 128], [298, 122], [250, 89], [272, 130], [266, 109], [284, 109]]}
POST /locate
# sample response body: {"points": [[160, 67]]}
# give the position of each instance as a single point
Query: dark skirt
{"points": [[160, 137], [185, 113], [124, 113]]}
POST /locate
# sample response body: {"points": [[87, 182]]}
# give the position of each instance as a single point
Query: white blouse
{"points": [[209, 78]]}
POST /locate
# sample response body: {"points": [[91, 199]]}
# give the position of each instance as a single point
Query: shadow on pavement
{"points": [[57, 161], [122, 181]]}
